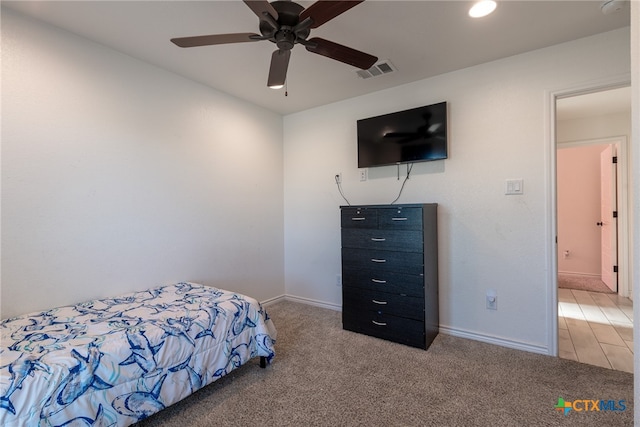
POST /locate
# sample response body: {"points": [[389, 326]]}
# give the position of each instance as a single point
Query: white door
{"points": [[608, 222]]}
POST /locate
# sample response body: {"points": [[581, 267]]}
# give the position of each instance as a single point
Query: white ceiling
{"points": [[421, 39]]}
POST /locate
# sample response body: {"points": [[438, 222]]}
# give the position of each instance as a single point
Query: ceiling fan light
{"points": [[482, 8], [276, 86]]}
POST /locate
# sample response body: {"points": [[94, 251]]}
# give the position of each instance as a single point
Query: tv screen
{"points": [[415, 135]]}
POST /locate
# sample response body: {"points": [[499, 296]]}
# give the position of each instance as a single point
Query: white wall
{"points": [[118, 176], [584, 128], [497, 118]]}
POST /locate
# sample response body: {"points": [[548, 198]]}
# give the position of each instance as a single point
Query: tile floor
{"points": [[596, 328]]}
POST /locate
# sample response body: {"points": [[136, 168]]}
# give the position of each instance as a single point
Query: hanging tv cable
{"points": [[409, 167], [339, 184]]}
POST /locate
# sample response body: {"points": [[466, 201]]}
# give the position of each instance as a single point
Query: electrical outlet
{"points": [[339, 280], [339, 178], [363, 174], [492, 300]]}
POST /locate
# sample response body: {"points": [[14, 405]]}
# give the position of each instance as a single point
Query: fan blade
{"points": [[323, 11], [278, 68], [216, 39], [261, 7], [340, 53]]}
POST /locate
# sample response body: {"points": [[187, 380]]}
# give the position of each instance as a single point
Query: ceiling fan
{"points": [[286, 24]]}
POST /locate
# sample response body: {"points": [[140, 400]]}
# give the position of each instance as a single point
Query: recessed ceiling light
{"points": [[482, 8]]}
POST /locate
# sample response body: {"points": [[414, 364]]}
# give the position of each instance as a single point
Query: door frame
{"points": [[551, 220], [609, 258]]}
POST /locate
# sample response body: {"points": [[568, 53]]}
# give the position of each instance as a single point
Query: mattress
{"points": [[115, 361]]}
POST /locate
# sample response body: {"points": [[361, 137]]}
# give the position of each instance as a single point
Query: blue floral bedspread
{"points": [[115, 361]]}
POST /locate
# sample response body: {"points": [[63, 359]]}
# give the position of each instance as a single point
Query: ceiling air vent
{"points": [[378, 69]]}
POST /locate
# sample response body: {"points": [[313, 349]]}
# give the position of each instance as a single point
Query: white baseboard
{"points": [[447, 330], [489, 339], [270, 301], [309, 301]]}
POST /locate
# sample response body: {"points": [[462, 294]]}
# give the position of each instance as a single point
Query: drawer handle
{"points": [[379, 323], [358, 219], [399, 219], [379, 302], [378, 239], [378, 260], [378, 281]]}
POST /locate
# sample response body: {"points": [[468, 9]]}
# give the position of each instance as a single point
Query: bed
{"points": [[115, 361]]}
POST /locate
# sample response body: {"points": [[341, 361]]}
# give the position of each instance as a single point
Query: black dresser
{"points": [[390, 272]]}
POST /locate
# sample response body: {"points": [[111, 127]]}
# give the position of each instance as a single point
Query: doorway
{"points": [[594, 317], [587, 214]]}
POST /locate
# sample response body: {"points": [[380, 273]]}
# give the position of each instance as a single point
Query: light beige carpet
{"points": [[583, 283], [325, 376]]}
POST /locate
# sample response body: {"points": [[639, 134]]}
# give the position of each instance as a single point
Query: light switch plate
{"points": [[514, 186]]}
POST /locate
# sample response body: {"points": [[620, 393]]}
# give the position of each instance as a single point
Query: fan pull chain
{"points": [[286, 88]]}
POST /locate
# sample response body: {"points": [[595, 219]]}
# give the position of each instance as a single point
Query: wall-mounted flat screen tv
{"points": [[415, 135]]}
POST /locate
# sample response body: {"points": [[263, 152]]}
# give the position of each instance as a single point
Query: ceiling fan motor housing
{"points": [[288, 17]]}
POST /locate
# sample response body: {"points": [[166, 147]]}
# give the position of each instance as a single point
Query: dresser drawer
{"points": [[392, 328], [363, 300], [359, 218], [400, 218], [388, 240], [383, 281], [380, 261]]}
